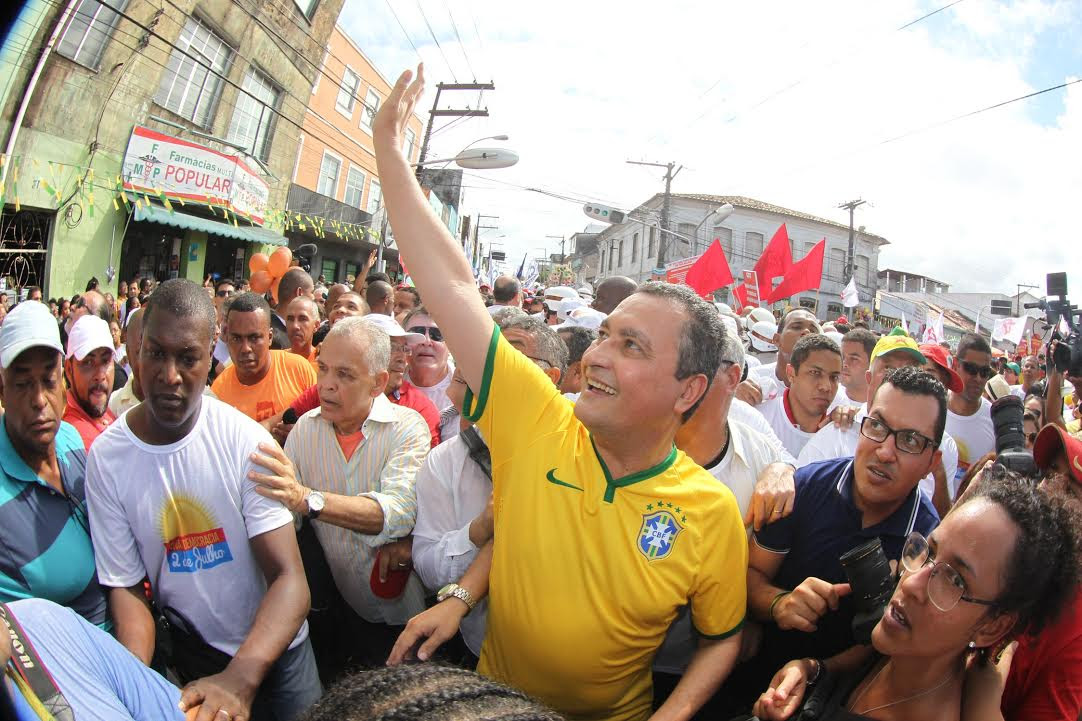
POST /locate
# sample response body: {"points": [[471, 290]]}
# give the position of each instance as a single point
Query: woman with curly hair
{"points": [[1003, 561]]}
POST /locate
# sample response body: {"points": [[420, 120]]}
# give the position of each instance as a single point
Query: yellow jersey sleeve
{"points": [[516, 402], [719, 596]]}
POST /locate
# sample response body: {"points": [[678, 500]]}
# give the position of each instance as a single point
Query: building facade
{"points": [[631, 248], [899, 281], [334, 176], [151, 139]]}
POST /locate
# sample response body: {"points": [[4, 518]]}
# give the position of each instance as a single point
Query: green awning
{"points": [[177, 219]]}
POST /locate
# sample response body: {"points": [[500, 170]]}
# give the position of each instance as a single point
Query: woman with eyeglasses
{"points": [[1005, 558]]}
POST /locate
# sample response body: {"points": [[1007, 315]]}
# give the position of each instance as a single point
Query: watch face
{"points": [[445, 591], [315, 501]]}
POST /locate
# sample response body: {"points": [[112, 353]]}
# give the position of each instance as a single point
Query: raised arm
{"points": [[436, 262]]}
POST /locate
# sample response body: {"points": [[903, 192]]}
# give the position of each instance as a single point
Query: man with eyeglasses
{"points": [[796, 585], [969, 414]]}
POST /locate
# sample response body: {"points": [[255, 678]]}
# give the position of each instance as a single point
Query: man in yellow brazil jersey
{"points": [[603, 530]]}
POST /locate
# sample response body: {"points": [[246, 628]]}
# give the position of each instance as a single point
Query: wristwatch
{"points": [[453, 589], [315, 501]]}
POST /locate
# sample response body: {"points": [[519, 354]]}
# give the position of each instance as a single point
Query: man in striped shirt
{"points": [[355, 460]]}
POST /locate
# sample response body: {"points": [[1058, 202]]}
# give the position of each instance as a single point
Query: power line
{"points": [[403, 27], [454, 25], [436, 40]]}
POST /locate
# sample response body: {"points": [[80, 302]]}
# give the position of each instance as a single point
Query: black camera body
{"points": [[1067, 358], [869, 574], [1011, 450]]}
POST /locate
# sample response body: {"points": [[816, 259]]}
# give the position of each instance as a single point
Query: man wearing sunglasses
{"points": [[431, 367], [796, 585], [969, 414]]}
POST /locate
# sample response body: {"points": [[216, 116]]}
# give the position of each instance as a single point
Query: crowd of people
{"points": [[372, 501]]}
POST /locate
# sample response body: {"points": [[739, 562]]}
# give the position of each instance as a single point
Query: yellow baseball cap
{"points": [[897, 340]]}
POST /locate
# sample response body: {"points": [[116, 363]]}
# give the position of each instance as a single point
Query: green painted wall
{"points": [[193, 255]]}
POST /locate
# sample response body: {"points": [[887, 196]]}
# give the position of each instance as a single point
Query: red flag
{"points": [[776, 260], [710, 271], [740, 292], [806, 274]]}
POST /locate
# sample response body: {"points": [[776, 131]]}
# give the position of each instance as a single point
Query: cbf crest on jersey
{"points": [[658, 533]]}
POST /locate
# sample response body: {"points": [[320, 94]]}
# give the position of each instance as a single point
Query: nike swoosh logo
{"points": [[551, 476]]}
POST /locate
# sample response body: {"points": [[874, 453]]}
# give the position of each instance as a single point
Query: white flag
{"points": [[850, 297], [1011, 329], [933, 333], [905, 326]]}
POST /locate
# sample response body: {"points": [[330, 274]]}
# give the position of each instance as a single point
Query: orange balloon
{"points": [[274, 288], [258, 262], [260, 281], [279, 262]]}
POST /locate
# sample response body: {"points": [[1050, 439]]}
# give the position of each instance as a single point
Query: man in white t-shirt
{"points": [[171, 497], [767, 381], [814, 368], [969, 414]]}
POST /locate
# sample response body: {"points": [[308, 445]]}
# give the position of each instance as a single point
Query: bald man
{"points": [[380, 297], [296, 282], [302, 319], [611, 292]]}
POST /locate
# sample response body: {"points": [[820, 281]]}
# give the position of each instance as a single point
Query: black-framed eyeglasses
{"points": [[432, 333], [905, 440], [973, 369], [945, 585]]}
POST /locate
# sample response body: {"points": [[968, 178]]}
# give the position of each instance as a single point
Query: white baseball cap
{"points": [[390, 326], [558, 294], [583, 317], [29, 325], [761, 335], [87, 335]]}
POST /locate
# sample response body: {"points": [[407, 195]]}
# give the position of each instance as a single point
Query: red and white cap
{"points": [[1050, 441]]}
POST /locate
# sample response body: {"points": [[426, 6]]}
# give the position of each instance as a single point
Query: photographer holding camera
{"points": [[796, 582]]}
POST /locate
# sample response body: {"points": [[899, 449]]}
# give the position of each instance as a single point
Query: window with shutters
{"points": [[725, 237], [375, 196], [354, 188], [651, 246], [837, 264], [369, 109], [328, 175], [347, 92], [192, 81], [687, 232], [634, 247], [753, 246], [89, 30], [252, 124]]}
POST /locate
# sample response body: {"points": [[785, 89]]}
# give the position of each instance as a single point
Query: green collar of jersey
{"points": [[611, 484]]}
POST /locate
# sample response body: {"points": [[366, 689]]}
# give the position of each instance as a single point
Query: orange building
{"points": [[335, 175]]}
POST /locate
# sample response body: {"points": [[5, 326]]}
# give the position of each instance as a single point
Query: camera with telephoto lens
{"points": [[872, 582], [1011, 450], [1067, 357]]}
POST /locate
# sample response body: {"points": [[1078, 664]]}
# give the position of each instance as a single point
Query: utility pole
{"points": [[1018, 297], [665, 208], [851, 206], [437, 113], [481, 226], [563, 256]]}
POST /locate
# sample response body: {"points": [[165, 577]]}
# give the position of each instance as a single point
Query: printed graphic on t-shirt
{"points": [[264, 410], [194, 541]]}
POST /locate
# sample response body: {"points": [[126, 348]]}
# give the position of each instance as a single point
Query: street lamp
{"points": [[479, 159], [718, 215]]}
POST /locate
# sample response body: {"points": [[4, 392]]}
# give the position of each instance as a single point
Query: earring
{"points": [[972, 644]]}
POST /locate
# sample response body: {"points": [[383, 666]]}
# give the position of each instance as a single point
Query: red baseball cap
{"points": [[935, 353], [842, 319], [1050, 441], [393, 586]]}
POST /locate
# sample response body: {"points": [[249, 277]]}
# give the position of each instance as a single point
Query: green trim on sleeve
{"points": [[469, 412], [721, 636]]}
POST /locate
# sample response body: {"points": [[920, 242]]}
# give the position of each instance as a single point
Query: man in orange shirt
{"points": [[261, 382], [302, 319]]}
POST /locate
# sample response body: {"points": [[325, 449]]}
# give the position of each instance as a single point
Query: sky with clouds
{"points": [[804, 105]]}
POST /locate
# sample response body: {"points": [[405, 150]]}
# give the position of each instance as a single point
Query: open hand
{"points": [[280, 481], [434, 626], [221, 697], [389, 125]]}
